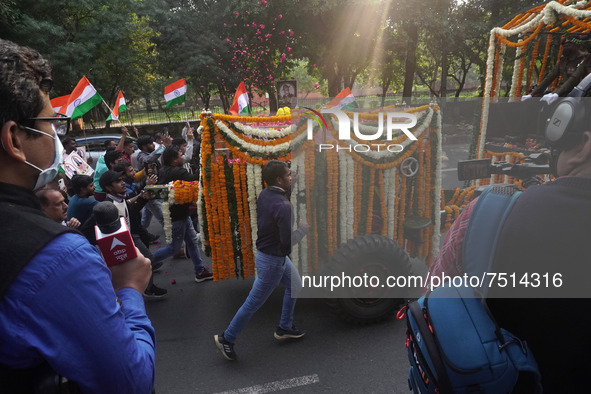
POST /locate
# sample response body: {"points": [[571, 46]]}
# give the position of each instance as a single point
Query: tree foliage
{"points": [[105, 40], [139, 46]]}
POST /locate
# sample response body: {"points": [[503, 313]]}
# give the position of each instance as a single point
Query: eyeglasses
{"points": [[60, 123]]}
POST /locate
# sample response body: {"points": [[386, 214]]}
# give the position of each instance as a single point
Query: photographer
{"points": [[59, 306], [547, 230]]}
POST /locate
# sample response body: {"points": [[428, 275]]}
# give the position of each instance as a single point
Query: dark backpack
{"points": [[454, 344]]}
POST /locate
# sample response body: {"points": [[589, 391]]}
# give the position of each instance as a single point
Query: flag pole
{"points": [[110, 110], [107, 105]]}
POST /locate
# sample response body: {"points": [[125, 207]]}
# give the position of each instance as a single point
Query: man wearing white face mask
{"points": [[61, 308]]}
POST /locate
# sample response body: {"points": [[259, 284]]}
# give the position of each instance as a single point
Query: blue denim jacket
{"points": [[62, 308]]}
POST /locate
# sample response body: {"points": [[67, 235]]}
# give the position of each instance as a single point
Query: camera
{"points": [[530, 167]]}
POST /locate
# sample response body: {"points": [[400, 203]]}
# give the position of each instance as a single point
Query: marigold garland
{"points": [[401, 210], [357, 169], [545, 59], [185, 192], [383, 210], [370, 200], [521, 43], [332, 189], [224, 176]]}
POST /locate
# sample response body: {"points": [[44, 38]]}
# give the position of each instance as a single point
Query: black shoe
{"points": [[203, 276], [153, 238], [157, 266], [155, 292], [294, 333], [227, 348]]}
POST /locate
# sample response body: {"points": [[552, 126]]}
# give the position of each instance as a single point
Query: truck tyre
{"points": [[370, 255]]}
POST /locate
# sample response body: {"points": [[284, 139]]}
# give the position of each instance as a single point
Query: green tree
{"points": [[340, 37], [106, 40]]}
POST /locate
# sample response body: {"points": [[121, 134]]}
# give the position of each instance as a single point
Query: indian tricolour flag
{"points": [[59, 102], [82, 99], [119, 107], [344, 98], [240, 105], [175, 93]]}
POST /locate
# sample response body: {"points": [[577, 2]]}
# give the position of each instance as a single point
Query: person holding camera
{"points": [[546, 233], [61, 308]]}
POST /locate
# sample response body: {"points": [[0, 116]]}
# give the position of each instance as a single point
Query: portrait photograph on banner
{"points": [[287, 94]]}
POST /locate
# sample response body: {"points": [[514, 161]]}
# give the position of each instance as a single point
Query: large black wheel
{"points": [[369, 256]]}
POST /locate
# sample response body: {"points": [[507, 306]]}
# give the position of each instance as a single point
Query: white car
{"points": [[95, 146]]}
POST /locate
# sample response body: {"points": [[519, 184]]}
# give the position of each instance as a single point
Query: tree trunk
{"points": [[334, 84], [273, 106], [411, 60], [444, 12], [350, 80], [205, 97], [385, 85], [224, 99]]}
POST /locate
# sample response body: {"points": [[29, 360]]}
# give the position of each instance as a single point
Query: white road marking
{"points": [[276, 386], [449, 169]]}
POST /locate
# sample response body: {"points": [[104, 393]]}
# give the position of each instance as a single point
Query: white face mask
{"points": [[47, 175]]}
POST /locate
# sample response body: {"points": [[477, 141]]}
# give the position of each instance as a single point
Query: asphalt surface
{"points": [[334, 356]]}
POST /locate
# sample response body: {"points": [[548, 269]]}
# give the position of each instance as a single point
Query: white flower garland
{"points": [[437, 190], [502, 50], [252, 202], [515, 81], [166, 212], [390, 195], [490, 59], [200, 202], [303, 211], [167, 221], [343, 195], [299, 250], [260, 149], [263, 133]]}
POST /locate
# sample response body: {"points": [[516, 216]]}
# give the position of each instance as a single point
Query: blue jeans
{"points": [[182, 230], [152, 208], [271, 271]]}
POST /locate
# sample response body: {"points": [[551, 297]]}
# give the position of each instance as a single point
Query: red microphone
{"points": [[112, 235]]}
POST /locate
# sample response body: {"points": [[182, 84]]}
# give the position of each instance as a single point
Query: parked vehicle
{"points": [[95, 145]]}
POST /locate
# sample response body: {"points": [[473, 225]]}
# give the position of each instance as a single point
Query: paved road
{"points": [[334, 357]]}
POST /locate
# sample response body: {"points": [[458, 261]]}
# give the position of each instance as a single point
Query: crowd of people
{"points": [[62, 310], [117, 180], [65, 316]]}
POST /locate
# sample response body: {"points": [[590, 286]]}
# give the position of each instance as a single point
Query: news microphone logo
{"points": [[112, 235]]}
